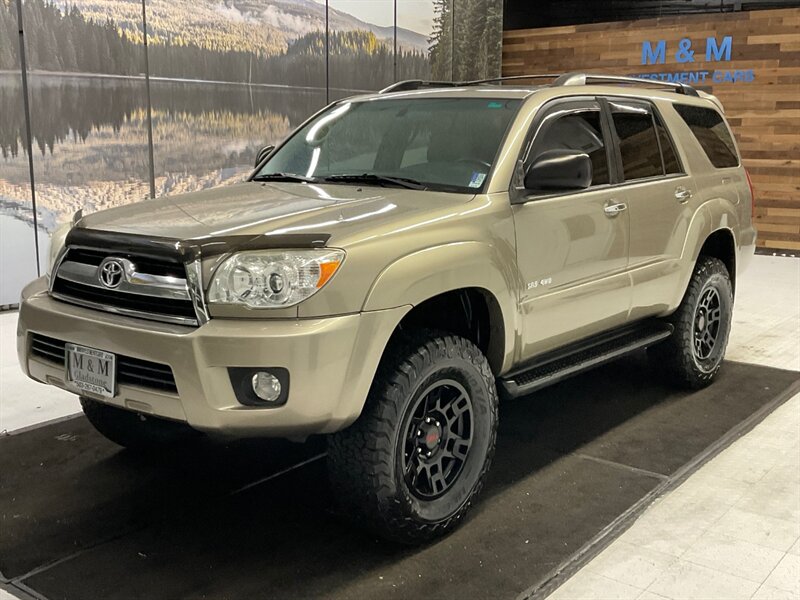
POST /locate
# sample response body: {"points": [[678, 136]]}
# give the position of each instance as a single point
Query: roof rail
{"points": [[513, 78], [559, 80], [588, 79], [415, 84]]}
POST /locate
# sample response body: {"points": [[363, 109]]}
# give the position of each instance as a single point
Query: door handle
{"points": [[612, 209], [682, 195]]}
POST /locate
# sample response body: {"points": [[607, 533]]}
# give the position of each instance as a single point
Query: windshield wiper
{"points": [[284, 177], [371, 178]]}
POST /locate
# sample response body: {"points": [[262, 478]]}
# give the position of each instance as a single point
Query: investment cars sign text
{"points": [[713, 50]]}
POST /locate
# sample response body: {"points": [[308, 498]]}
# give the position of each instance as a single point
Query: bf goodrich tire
{"points": [[412, 464], [692, 356], [134, 431]]}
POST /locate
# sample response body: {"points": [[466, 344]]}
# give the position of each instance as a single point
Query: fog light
{"points": [[260, 387], [266, 386]]}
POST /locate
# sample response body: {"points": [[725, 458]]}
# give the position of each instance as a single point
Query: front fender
{"points": [[426, 273]]}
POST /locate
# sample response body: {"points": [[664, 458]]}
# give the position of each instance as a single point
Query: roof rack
{"points": [[588, 79], [559, 80], [513, 78], [415, 84]]}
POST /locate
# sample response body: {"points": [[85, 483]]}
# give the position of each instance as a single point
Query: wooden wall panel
{"points": [[764, 113]]}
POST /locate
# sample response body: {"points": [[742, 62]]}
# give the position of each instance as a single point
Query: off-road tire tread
{"points": [[360, 462], [674, 357]]}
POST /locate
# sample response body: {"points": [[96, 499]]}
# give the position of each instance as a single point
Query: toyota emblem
{"points": [[111, 272]]}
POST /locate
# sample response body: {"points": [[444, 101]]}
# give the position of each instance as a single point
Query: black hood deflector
{"points": [[187, 251]]}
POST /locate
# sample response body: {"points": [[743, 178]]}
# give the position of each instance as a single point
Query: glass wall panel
{"points": [[432, 20], [17, 245], [464, 36], [477, 51], [417, 20], [87, 99], [361, 45], [226, 79], [250, 74]]}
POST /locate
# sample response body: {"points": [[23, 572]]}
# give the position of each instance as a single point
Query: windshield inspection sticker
{"points": [[477, 178]]}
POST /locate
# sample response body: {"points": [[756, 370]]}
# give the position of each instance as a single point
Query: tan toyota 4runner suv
{"points": [[393, 267]]}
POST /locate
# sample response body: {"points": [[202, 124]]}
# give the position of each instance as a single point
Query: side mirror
{"points": [[263, 153], [561, 169]]}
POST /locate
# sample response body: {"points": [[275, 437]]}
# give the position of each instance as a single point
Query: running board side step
{"points": [[588, 354]]}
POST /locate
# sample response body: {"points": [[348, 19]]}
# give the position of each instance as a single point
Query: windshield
{"points": [[446, 144]]}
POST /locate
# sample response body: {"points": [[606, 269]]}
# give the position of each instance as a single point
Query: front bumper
{"points": [[331, 362]]}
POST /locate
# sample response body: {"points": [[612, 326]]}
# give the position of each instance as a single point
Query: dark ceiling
{"points": [[521, 14]]}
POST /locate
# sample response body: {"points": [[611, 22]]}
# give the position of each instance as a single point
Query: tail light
{"points": [[752, 196]]}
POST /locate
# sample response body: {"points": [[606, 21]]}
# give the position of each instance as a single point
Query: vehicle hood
{"points": [[253, 208]]}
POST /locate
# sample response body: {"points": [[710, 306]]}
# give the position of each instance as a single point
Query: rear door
{"points": [[572, 248], [660, 196], [716, 166]]}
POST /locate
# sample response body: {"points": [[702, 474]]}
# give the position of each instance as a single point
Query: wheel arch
{"points": [[472, 313], [447, 284], [710, 232], [721, 244]]}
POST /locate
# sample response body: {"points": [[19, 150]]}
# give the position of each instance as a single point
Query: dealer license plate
{"points": [[91, 370]]}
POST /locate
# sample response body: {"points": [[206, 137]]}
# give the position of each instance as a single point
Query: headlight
{"points": [[273, 279], [57, 240]]}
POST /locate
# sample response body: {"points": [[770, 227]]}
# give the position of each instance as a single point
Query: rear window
{"points": [[712, 133]]}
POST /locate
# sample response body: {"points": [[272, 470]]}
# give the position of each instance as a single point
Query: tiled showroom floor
{"points": [[23, 402], [729, 531], [732, 530]]}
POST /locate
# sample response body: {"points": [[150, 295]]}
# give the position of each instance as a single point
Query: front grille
{"points": [[135, 302], [145, 263], [130, 371], [151, 288]]}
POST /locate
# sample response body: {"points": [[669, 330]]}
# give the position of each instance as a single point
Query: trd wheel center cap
{"points": [[431, 436], [701, 322]]}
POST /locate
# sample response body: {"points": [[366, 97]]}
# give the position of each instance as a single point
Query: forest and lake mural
{"points": [[227, 77]]}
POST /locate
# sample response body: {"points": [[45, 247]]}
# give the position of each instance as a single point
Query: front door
{"points": [[572, 248]]}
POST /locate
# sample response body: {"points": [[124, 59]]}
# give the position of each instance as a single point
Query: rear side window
{"points": [[638, 144], [671, 164], [712, 133]]}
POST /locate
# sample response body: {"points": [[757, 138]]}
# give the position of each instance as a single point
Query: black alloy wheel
{"points": [[692, 356], [415, 460], [708, 318], [438, 438]]}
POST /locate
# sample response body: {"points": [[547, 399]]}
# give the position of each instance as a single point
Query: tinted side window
{"points": [[580, 130], [638, 144], [671, 164], [709, 128]]}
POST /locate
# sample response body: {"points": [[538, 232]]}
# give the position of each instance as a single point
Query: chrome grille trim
{"points": [[78, 283], [127, 312], [144, 284], [194, 282]]}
